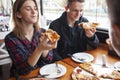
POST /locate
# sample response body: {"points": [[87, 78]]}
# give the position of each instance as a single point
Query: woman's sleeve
{"points": [[46, 60], [19, 55]]}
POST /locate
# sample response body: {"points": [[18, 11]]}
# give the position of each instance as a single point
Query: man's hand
{"points": [[90, 32]]}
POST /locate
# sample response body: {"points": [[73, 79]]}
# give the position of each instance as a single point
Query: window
{"points": [[95, 11]]}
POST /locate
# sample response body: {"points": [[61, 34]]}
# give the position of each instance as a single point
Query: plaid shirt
{"points": [[20, 50]]}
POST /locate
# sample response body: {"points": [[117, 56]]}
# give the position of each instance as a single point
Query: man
{"points": [[114, 14], [73, 38]]}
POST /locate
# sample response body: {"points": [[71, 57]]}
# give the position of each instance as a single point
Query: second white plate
{"points": [[117, 66], [52, 71], [82, 55]]}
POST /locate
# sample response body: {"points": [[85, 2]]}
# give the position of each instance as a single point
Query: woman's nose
{"points": [[33, 11]]}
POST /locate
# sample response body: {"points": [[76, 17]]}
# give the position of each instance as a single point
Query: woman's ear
{"points": [[18, 15]]}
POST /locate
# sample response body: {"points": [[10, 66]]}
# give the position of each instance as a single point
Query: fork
{"points": [[57, 67]]}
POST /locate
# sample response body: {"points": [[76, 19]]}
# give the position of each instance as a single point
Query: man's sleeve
{"points": [[93, 41]]}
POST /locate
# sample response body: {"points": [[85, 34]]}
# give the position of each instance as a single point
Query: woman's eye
{"points": [[35, 8], [27, 8]]}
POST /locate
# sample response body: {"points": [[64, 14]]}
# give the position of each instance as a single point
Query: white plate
{"points": [[52, 70], [82, 55], [117, 66]]}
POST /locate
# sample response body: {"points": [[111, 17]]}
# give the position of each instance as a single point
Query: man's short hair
{"points": [[70, 1], [114, 11]]}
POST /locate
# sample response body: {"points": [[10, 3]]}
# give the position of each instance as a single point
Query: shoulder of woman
{"points": [[9, 35]]}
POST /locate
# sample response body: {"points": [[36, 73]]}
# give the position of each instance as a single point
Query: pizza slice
{"points": [[87, 66], [78, 75], [88, 25], [53, 36], [114, 75]]}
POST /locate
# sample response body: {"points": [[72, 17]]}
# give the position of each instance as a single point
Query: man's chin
{"points": [[76, 19]]}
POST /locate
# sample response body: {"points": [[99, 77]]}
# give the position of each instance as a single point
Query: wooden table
{"points": [[97, 54], [65, 77], [70, 64]]}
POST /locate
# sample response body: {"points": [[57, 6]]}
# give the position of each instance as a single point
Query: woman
{"points": [[27, 44]]}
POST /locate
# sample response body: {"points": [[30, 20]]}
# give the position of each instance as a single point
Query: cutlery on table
{"points": [[57, 67], [38, 76], [81, 59], [116, 69]]}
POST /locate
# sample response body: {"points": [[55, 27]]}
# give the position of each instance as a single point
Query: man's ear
{"points": [[18, 15], [67, 8]]}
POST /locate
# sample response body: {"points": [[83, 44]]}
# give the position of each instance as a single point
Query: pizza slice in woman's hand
{"points": [[53, 36]]}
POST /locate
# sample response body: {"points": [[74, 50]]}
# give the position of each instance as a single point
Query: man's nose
{"points": [[79, 12]]}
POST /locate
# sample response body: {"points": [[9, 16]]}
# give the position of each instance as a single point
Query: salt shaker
{"points": [[104, 60]]}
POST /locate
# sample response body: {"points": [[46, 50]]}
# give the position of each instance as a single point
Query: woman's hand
{"points": [[90, 32], [42, 50], [45, 44]]}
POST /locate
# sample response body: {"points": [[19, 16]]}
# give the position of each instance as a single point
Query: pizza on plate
{"points": [[114, 75], [87, 66], [88, 25], [53, 36], [78, 75], [94, 74]]}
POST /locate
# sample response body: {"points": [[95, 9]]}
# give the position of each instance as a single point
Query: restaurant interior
{"points": [[103, 56]]}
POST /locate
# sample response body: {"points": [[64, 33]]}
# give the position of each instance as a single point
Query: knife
{"points": [[38, 76], [80, 59]]}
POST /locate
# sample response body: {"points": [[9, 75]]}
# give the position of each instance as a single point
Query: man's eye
{"points": [[81, 10], [75, 10]]}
